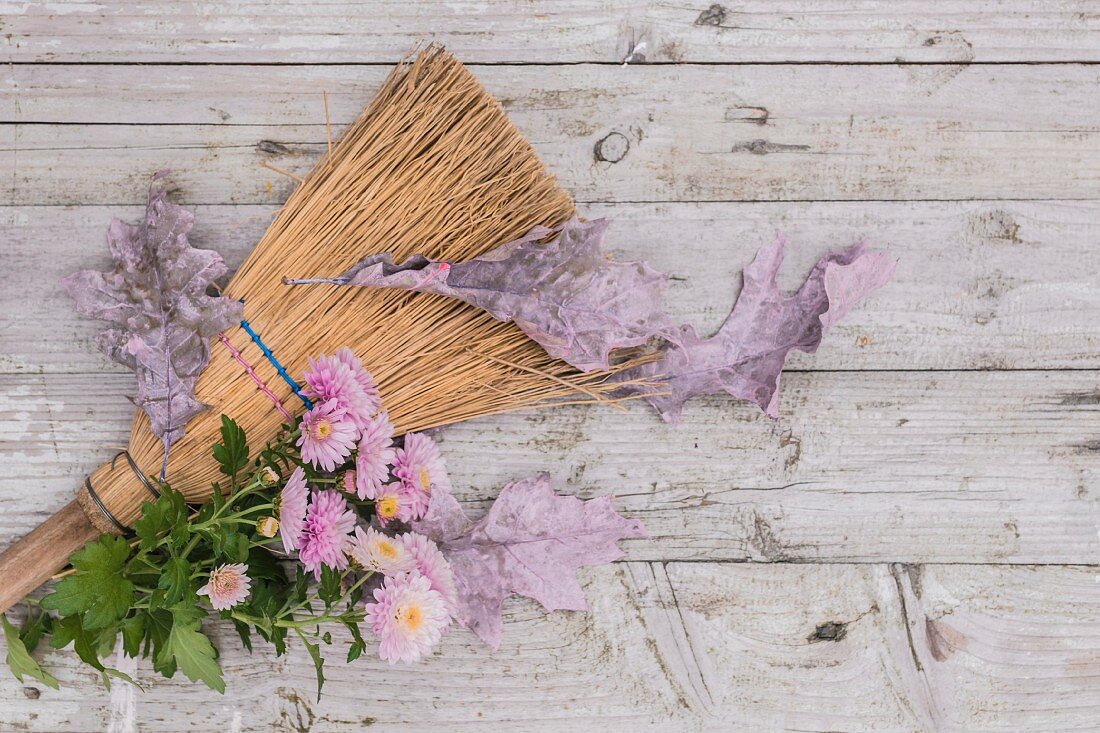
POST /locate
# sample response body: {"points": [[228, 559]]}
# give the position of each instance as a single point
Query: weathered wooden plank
{"points": [[650, 133], [685, 647], [551, 32], [979, 285], [865, 467]]}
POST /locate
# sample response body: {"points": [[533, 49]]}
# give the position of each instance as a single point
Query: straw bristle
{"points": [[432, 166]]}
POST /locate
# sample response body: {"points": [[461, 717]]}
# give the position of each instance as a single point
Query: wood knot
{"points": [[714, 15], [828, 631], [272, 147], [611, 148]]}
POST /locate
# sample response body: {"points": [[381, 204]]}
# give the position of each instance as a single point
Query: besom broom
{"points": [[431, 166]]}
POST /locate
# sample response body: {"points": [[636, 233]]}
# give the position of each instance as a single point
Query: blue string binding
{"points": [[275, 363]]}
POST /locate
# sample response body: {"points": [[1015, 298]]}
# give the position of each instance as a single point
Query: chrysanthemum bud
{"points": [[349, 481], [269, 476], [267, 526]]}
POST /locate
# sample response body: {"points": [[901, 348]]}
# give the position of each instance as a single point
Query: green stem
{"points": [[234, 518], [250, 620], [190, 546]]}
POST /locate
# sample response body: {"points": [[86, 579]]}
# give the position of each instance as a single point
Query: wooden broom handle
{"points": [[33, 559]]}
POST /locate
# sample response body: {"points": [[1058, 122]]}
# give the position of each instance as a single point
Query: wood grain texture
{"points": [[979, 285], [570, 31], [26, 563], [649, 133], [861, 466], [678, 646]]}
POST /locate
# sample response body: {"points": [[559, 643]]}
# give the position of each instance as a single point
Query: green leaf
{"points": [[301, 585], [329, 589], [36, 626], [151, 523], [156, 600], [277, 637], [158, 625], [97, 589], [232, 453], [266, 598], [192, 650], [358, 646], [179, 536], [159, 517], [133, 631], [109, 672], [318, 662], [69, 630], [217, 496], [245, 633], [20, 661], [229, 544], [262, 564], [105, 641], [175, 580], [65, 631], [355, 650]]}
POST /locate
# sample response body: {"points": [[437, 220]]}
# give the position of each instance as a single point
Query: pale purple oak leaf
{"points": [[565, 293], [155, 298], [531, 542], [746, 356]]}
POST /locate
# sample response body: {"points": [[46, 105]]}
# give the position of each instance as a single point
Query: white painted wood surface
{"points": [[913, 546], [979, 284], [523, 32], [956, 466], [610, 133]]}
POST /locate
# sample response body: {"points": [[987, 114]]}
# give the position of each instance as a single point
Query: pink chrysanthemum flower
{"points": [[228, 585], [380, 553], [292, 509], [408, 617], [376, 453], [343, 379], [327, 435], [432, 565], [421, 469], [393, 502], [362, 376], [326, 534]]}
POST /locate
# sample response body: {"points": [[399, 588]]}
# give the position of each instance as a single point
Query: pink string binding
{"points": [[255, 377]]}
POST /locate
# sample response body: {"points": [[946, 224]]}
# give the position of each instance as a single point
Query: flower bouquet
{"points": [[333, 523]]}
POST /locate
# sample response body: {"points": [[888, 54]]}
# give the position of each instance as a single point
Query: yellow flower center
{"points": [[410, 617], [425, 480], [322, 429], [387, 550], [387, 507]]}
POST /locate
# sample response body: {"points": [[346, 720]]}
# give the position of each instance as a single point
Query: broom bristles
{"points": [[432, 166]]}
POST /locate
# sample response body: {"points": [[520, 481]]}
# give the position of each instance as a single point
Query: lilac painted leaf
{"points": [[155, 298], [531, 542], [565, 294], [746, 356]]}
